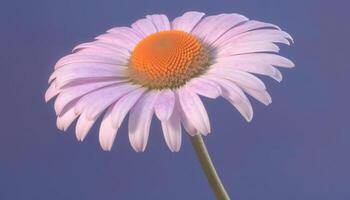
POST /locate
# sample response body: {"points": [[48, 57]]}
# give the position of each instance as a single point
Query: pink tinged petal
{"points": [[275, 74], [121, 41], [77, 67], [132, 34], [248, 26], [165, 105], [93, 104], [240, 77], [247, 47], [272, 59], [83, 126], [66, 119], [51, 92], [194, 110], [186, 122], [266, 35], [190, 129], [187, 21], [210, 30], [123, 105], [144, 26], [251, 66], [236, 97], [161, 22], [72, 72], [204, 87], [206, 22], [69, 94], [102, 49], [128, 31], [262, 69], [172, 131], [107, 132], [124, 37], [170, 119], [99, 47], [261, 95], [140, 121], [82, 81], [266, 58], [53, 77], [96, 59]]}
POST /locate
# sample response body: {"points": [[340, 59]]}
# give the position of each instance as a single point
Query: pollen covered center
{"points": [[167, 59]]}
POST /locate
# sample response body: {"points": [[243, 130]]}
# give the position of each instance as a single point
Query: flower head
{"points": [[161, 67]]}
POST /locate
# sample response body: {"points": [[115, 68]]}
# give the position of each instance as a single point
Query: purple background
{"points": [[296, 148]]}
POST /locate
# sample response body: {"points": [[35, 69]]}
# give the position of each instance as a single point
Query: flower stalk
{"points": [[208, 168]]}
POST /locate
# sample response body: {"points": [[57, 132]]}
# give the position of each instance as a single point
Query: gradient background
{"points": [[295, 149]]}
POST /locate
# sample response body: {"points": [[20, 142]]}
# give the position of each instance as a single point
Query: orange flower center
{"points": [[167, 59]]}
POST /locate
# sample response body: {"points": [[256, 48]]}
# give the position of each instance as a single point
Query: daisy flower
{"points": [[162, 67]]}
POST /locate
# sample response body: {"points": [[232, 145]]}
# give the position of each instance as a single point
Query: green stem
{"points": [[208, 168]]}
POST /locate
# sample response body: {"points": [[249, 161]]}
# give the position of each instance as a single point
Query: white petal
{"points": [[205, 22], [265, 35], [172, 131], [83, 126], [101, 47], [187, 21], [69, 94], [165, 105], [247, 26], [248, 65], [266, 58], [194, 110], [247, 47], [66, 118], [126, 30], [123, 105], [212, 27], [186, 122], [276, 60], [123, 37], [104, 49], [120, 41], [140, 121], [51, 92], [236, 97], [107, 132], [240, 77], [95, 59], [161, 22], [67, 74], [261, 95], [247, 82], [144, 26], [96, 102], [204, 87]]}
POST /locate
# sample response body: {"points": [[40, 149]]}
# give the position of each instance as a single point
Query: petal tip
{"points": [[107, 149]]}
